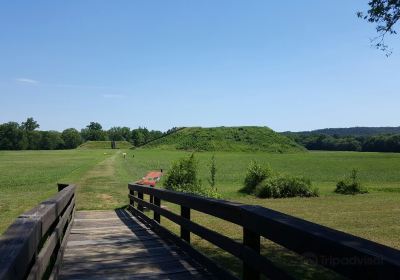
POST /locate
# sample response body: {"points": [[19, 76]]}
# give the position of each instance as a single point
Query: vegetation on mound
{"points": [[350, 184], [263, 182], [227, 139], [104, 145]]}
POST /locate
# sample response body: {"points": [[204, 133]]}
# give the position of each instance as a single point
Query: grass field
{"points": [[28, 177]]}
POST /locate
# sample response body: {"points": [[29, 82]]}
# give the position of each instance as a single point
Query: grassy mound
{"points": [[104, 145], [227, 139]]}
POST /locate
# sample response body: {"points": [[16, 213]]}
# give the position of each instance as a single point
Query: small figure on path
{"points": [[124, 154]]}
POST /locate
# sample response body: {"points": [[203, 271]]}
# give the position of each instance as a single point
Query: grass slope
{"points": [[227, 139], [104, 145]]}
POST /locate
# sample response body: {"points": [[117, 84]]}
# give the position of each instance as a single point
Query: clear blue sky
{"points": [[289, 65]]}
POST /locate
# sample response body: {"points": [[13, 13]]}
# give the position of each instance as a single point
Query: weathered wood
{"points": [[18, 247], [346, 254], [57, 265], [134, 251], [28, 244], [156, 215], [253, 259], [251, 240], [214, 268], [140, 195], [227, 210], [349, 255], [185, 213]]}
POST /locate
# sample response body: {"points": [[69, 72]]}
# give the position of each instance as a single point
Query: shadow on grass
{"points": [[295, 265]]}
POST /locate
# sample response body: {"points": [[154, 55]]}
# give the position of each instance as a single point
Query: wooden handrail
{"points": [[346, 254], [32, 246]]}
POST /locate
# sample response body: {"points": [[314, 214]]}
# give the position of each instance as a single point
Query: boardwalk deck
{"points": [[116, 245]]}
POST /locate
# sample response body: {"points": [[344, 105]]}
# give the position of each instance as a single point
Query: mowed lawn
{"points": [[28, 177]]}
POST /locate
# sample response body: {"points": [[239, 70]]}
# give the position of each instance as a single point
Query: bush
{"points": [[350, 185], [254, 176], [285, 186], [182, 177]]}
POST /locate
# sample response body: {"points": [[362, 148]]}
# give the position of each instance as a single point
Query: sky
{"points": [[288, 65]]}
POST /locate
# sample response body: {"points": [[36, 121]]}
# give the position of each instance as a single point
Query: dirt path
{"points": [[100, 187]]}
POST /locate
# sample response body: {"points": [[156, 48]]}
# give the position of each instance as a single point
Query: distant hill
{"points": [[351, 131], [104, 145], [226, 139]]}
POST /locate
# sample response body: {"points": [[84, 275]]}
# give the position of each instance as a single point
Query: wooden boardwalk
{"points": [[116, 245]]}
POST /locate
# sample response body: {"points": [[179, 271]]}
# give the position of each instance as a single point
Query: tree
{"points": [[71, 138], [119, 133], [51, 140], [33, 136], [30, 124], [93, 132], [12, 137], [94, 126], [115, 134], [137, 137], [385, 13]]}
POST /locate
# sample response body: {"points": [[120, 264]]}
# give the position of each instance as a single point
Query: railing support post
{"points": [[131, 201], [252, 240], [185, 213], [140, 206], [156, 216]]}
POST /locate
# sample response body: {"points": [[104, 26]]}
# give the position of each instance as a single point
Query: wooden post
{"points": [[252, 240], [185, 213], [61, 186], [156, 216], [140, 207], [131, 201]]}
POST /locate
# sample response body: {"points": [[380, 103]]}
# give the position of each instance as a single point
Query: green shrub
{"points": [[254, 176], [285, 186], [350, 184], [182, 177]]}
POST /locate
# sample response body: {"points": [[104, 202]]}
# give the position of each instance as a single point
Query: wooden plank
{"points": [[113, 250], [57, 265], [118, 242], [43, 259], [165, 267], [129, 261], [49, 210], [98, 235], [18, 246], [116, 253]]}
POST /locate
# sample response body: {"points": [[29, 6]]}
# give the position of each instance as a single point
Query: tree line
{"points": [[373, 143], [26, 136]]}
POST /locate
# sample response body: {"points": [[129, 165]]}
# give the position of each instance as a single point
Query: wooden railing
{"points": [[32, 247], [348, 255]]}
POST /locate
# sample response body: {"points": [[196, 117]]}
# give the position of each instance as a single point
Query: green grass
{"points": [[28, 177], [104, 145], [246, 138]]}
